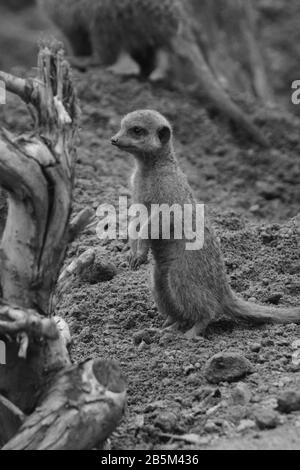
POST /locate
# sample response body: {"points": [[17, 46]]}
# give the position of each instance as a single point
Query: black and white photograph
{"points": [[149, 228]]}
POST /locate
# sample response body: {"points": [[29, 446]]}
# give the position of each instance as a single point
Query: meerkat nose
{"points": [[114, 140]]}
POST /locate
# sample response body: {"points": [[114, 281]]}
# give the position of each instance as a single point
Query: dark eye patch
{"points": [[137, 131]]}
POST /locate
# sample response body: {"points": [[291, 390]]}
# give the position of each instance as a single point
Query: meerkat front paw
{"points": [[136, 260], [197, 330]]}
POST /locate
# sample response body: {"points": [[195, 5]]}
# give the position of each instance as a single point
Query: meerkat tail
{"points": [[255, 313], [188, 49]]}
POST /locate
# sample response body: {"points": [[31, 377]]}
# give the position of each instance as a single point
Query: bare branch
{"points": [[19, 86], [83, 219], [82, 407], [11, 419], [14, 321]]}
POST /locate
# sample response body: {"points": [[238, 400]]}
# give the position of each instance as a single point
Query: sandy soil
{"points": [[254, 198]]}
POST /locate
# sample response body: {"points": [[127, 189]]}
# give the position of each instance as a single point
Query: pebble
{"points": [[155, 405], [267, 342], [255, 347], [167, 421], [211, 427], [227, 367], [266, 418], [274, 298], [296, 344], [99, 272], [289, 401], [241, 394], [143, 346], [296, 358], [142, 336], [245, 425]]}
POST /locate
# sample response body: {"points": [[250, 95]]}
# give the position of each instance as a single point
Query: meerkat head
{"points": [[145, 134]]}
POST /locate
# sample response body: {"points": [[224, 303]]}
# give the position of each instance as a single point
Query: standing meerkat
{"points": [[189, 286], [120, 31]]}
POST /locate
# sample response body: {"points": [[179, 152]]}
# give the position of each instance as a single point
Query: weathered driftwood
{"points": [[11, 420], [37, 171], [81, 408]]}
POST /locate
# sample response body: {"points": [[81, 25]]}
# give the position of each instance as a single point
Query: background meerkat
{"points": [[152, 37], [126, 32], [188, 286]]}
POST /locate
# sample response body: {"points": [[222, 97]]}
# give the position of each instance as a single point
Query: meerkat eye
{"points": [[138, 131]]}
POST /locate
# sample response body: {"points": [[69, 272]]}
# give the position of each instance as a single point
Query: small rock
{"points": [[99, 272], [266, 238], [167, 421], [296, 358], [267, 342], [142, 336], [296, 344], [264, 388], [297, 424], [266, 418], [117, 246], [270, 403], [227, 367], [238, 413], [255, 347], [241, 394], [283, 342], [189, 369], [143, 346], [155, 405], [274, 298], [261, 359], [211, 427], [245, 425], [194, 439], [211, 411], [255, 209], [166, 382], [289, 401]]}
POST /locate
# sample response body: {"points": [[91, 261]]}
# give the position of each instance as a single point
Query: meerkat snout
{"points": [[142, 133], [114, 140]]}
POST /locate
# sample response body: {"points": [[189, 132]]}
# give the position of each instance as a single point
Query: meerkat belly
{"points": [[138, 23], [190, 285], [151, 23]]}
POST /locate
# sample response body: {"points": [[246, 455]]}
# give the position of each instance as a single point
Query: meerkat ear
{"points": [[164, 134]]}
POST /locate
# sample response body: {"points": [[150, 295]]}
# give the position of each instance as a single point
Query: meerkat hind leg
{"points": [[125, 65], [197, 330], [162, 66]]}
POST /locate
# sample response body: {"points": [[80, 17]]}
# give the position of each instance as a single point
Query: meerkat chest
{"points": [[153, 187]]}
